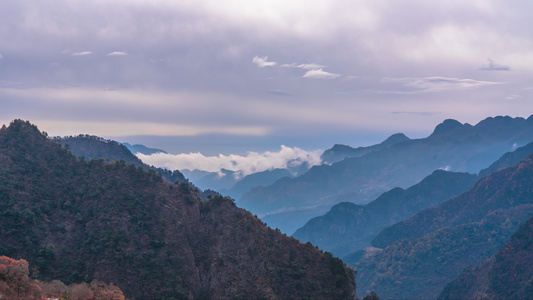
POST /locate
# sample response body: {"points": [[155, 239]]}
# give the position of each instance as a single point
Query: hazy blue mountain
{"points": [[217, 181], [226, 183], [506, 275], [425, 252], [93, 147], [137, 148], [509, 158], [349, 227], [194, 175], [452, 146], [339, 152], [256, 179]]}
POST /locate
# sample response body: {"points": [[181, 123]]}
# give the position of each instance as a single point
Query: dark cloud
{"points": [[492, 66], [278, 93]]}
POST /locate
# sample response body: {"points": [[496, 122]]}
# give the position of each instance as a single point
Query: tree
{"points": [[15, 282]]}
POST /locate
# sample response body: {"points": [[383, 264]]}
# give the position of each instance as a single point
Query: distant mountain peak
{"points": [[395, 138], [447, 126], [20, 126], [339, 151]]}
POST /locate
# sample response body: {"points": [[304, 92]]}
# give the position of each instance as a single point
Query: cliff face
{"points": [[76, 221]]}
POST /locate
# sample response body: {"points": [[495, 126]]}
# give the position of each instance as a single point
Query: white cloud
{"points": [[443, 83], [243, 165], [320, 74], [82, 53], [263, 61], [512, 97], [304, 66], [117, 53]]}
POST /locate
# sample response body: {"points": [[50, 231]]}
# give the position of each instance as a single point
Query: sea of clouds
{"points": [[252, 162]]}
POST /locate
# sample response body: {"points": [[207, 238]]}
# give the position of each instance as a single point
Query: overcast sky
{"points": [[206, 75]]}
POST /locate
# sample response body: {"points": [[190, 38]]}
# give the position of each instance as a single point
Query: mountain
{"points": [[509, 158], [78, 220], [430, 249], [218, 181], [349, 227], [227, 183], [452, 146], [142, 149], [339, 152], [256, 179], [15, 283], [93, 147], [506, 275]]}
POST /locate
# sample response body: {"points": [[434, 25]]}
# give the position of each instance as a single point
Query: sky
{"points": [[234, 77]]}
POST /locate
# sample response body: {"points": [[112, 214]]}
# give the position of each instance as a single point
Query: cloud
{"points": [[304, 66], [243, 165], [117, 53], [82, 53], [512, 97], [320, 74], [444, 83], [278, 93], [419, 113], [263, 61], [492, 66]]}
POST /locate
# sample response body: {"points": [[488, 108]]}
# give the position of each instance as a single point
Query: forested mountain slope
{"points": [[506, 275], [78, 220], [428, 250]]}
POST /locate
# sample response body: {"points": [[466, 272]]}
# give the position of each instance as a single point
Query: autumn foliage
{"points": [[15, 283]]}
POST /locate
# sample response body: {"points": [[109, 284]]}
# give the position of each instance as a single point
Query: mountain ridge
{"points": [[339, 152]]}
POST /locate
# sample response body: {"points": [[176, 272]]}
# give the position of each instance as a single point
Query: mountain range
{"points": [[452, 146], [348, 227], [79, 219]]}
